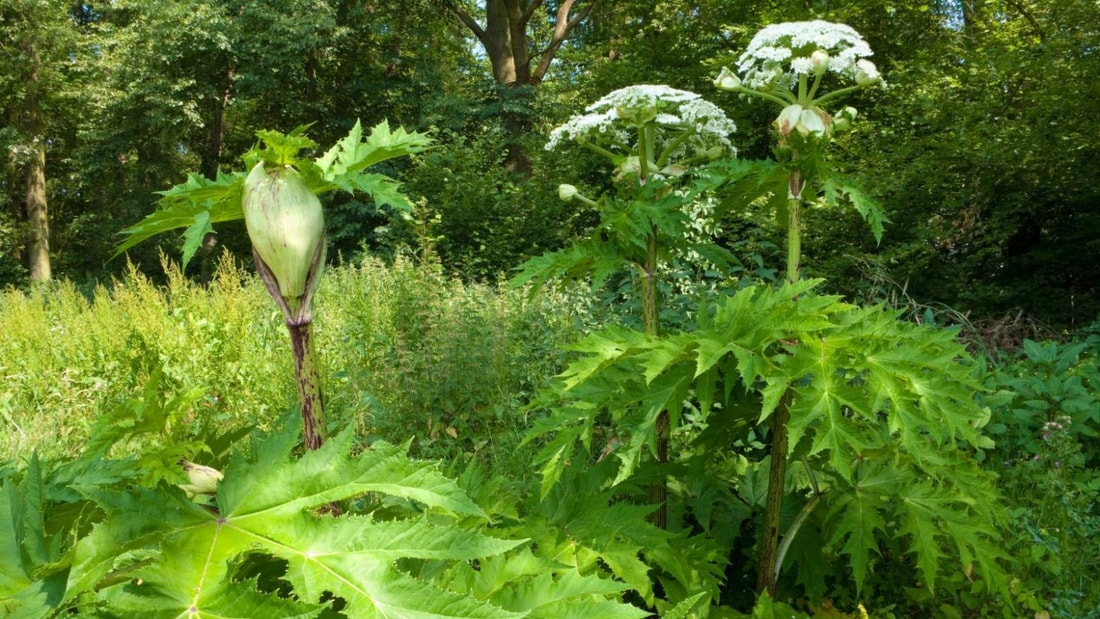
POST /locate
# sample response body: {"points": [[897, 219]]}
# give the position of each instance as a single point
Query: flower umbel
{"points": [[787, 64], [780, 53], [687, 125]]}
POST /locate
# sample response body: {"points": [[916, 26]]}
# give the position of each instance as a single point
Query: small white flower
{"points": [[567, 192], [780, 53], [802, 65]]}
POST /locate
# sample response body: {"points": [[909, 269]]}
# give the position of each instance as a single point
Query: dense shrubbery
{"points": [[413, 353], [475, 353]]}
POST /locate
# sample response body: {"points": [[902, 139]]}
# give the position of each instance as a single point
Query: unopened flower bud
{"points": [[286, 225], [788, 119], [820, 61], [814, 120], [204, 480], [567, 192], [673, 171], [714, 152], [631, 166], [727, 80], [844, 118], [867, 73], [638, 115]]}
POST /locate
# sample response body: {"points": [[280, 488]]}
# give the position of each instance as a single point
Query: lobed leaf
{"points": [[179, 557]]}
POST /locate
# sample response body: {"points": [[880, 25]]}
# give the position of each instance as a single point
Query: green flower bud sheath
{"points": [[286, 225]]}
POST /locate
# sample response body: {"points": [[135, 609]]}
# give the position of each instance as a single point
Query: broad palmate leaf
{"points": [[179, 558], [198, 203]]}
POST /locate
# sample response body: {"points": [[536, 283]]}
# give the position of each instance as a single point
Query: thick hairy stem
{"points": [[768, 574], [308, 379], [794, 226], [649, 286], [658, 492], [298, 319]]}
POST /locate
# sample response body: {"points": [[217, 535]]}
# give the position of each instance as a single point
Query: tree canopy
{"points": [[980, 147]]}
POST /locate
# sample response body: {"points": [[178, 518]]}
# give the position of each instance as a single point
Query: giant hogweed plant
{"points": [[652, 135], [278, 199], [879, 414], [334, 531]]}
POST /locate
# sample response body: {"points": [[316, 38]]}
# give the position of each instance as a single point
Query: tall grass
{"points": [[407, 353]]}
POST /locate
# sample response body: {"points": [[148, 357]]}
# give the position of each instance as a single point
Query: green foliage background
{"points": [[979, 149]]}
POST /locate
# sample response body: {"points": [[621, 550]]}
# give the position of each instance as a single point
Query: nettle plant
{"points": [[878, 414], [291, 525]]}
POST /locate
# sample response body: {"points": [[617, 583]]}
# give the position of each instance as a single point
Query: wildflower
{"points": [[613, 119], [780, 53]]}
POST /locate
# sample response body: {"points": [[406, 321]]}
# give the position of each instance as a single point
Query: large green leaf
{"points": [[179, 556], [32, 571], [353, 154]]}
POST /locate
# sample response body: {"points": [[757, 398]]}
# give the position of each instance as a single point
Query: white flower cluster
{"points": [[780, 53], [609, 120]]}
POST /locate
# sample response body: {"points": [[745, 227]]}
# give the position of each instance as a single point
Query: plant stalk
{"points": [[658, 492], [308, 380], [795, 184], [770, 559], [768, 574], [298, 322]]}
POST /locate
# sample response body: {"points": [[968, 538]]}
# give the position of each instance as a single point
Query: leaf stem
{"points": [[770, 97], [680, 139], [799, 520], [600, 150], [834, 94]]}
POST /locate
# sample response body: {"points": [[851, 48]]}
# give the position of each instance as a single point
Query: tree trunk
{"points": [[27, 174], [38, 225], [504, 48], [215, 130], [504, 38]]}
